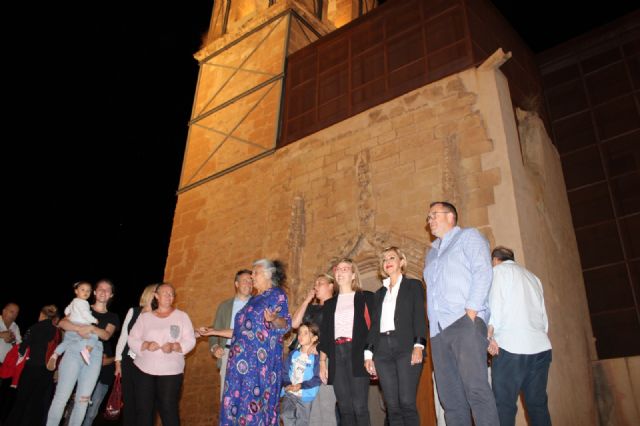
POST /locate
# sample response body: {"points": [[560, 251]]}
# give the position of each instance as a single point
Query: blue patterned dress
{"points": [[253, 380]]}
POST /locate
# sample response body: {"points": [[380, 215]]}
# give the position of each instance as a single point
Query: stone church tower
{"points": [[360, 171]]}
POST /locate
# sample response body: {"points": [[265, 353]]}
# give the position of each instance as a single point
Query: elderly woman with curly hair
{"points": [[254, 369]]}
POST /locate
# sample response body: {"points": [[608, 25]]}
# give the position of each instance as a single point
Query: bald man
{"points": [[9, 330], [9, 336]]}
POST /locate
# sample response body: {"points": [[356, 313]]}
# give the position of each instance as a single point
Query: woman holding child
{"points": [[74, 369]]}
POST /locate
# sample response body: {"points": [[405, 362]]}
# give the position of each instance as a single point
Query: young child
{"points": [[79, 313], [301, 378]]}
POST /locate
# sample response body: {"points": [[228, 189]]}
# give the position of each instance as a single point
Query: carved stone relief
{"points": [[451, 159], [365, 248], [296, 241]]}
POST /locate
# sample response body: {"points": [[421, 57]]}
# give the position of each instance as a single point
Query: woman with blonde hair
{"points": [[324, 288], [124, 356], [345, 327], [398, 337]]}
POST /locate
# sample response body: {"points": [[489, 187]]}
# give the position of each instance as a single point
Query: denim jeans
{"points": [[512, 373], [73, 341], [73, 369], [96, 401]]}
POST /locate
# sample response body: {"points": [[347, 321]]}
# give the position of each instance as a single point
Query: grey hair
{"points": [[273, 270]]}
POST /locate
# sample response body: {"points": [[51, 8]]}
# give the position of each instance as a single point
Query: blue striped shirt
{"points": [[458, 276]]}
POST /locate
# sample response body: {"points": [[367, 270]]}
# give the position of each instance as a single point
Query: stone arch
{"points": [[365, 251]]}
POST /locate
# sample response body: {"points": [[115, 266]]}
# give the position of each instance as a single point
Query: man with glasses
{"points": [[458, 277], [225, 315]]}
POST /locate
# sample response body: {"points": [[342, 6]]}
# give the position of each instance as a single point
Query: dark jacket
{"points": [[359, 334], [37, 339], [410, 318], [222, 321]]}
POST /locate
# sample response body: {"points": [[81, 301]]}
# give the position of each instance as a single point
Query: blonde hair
{"points": [[355, 284], [330, 280], [147, 294], [401, 255]]}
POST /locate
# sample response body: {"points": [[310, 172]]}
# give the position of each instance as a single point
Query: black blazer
{"points": [[359, 333], [410, 318]]}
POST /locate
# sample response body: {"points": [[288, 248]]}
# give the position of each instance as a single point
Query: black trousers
{"points": [[398, 380], [161, 392], [7, 398], [352, 393], [128, 382], [35, 391]]}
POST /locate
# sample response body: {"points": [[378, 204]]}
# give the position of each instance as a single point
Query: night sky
{"points": [[95, 133]]}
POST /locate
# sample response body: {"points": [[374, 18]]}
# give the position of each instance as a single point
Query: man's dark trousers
{"points": [[459, 354], [511, 373]]}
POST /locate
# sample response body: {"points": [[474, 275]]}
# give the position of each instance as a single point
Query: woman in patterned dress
{"points": [[253, 380]]}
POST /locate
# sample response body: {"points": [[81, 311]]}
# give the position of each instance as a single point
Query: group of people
{"points": [[149, 358], [335, 323], [477, 302], [38, 354]]}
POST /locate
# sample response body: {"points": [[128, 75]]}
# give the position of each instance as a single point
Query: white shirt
{"points": [[387, 322], [79, 312], [387, 316], [4, 346], [518, 315], [238, 304], [299, 367], [124, 335]]}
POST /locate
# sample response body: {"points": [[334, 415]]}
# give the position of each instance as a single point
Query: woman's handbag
{"points": [[114, 404]]}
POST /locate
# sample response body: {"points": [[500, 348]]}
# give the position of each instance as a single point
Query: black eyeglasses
{"points": [[432, 215]]}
